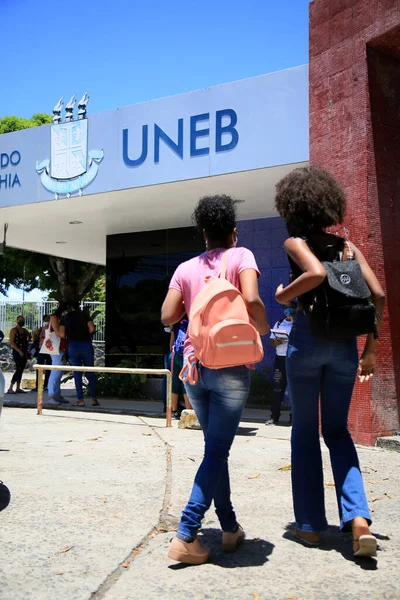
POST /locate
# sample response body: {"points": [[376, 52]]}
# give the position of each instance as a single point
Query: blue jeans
{"points": [[326, 370], [82, 353], [55, 376], [218, 400]]}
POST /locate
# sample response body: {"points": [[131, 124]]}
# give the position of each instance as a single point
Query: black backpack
{"points": [[342, 307]]}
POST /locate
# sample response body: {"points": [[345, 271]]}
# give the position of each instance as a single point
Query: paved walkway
{"points": [[114, 405], [95, 500]]}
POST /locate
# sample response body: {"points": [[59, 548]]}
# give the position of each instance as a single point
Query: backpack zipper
{"points": [[240, 343]]}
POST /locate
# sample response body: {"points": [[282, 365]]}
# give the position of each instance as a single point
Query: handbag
{"points": [[342, 306], [51, 343]]}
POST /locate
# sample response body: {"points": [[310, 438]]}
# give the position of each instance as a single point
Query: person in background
{"points": [[321, 373], [19, 340], [220, 394], [166, 345], [42, 359], [281, 345], [178, 336], [78, 328], [55, 397]]}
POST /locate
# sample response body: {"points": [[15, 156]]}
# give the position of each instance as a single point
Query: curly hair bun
{"points": [[310, 199], [216, 216]]}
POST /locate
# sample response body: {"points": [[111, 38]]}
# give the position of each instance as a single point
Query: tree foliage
{"points": [[10, 124], [65, 279], [98, 291]]}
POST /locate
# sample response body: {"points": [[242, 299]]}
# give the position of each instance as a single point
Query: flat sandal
{"points": [[368, 545], [79, 403]]}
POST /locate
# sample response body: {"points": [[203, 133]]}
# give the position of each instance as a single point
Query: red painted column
{"points": [[355, 134]]}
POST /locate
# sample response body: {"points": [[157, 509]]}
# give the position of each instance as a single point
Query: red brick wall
{"points": [[355, 134]]}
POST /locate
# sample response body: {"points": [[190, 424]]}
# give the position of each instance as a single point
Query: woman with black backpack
{"points": [[334, 285]]}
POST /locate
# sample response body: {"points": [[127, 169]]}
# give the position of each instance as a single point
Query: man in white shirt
{"points": [[279, 340]]}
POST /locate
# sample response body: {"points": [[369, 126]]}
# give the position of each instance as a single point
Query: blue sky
{"points": [[128, 51]]}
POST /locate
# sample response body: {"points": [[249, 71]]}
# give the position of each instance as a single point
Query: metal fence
{"points": [[35, 311]]}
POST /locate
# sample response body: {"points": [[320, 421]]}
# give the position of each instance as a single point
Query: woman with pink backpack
{"points": [[219, 292]]}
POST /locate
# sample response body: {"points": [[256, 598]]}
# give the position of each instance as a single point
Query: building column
{"points": [[355, 134]]}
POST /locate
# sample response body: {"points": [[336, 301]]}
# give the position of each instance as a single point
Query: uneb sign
{"points": [[226, 137]]}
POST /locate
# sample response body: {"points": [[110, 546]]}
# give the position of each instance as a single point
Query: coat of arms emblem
{"points": [[71, 167]]}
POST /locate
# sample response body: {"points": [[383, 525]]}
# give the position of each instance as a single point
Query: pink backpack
{"points": [[219, 326]]}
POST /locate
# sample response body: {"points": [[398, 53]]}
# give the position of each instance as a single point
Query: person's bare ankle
{"points": [[359, 527]]}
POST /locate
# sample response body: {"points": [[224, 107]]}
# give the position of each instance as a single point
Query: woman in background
{"points": [[19, 340], [55, 397], [78, 328]]}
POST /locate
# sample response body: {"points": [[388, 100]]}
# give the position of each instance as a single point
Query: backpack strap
{"points": [[50, 327], [348, 253], [224, 265], [189, 371], [345, 254]]}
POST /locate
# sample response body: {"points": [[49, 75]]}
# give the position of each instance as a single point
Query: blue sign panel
{"points": [[251, 124]]}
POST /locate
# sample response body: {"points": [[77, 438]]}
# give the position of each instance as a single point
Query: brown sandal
{"points": [[312, 539], [79, 403]]}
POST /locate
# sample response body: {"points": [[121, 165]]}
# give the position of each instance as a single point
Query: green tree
{"points": [[10, 124], [65, 279], [98, 291]]}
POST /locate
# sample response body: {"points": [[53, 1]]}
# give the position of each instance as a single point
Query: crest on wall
{"points": [[71, 167]]}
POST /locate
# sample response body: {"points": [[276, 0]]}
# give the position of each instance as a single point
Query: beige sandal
{"points": [[368, 545], [191, 553], [231, 541]]}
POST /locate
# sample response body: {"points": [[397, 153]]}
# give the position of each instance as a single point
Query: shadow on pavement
{"points": [[252, 553], [252, 431], [333, 539], [5, 496]]}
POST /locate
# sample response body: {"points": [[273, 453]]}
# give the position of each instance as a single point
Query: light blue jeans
{"points": [[54, 385], [326, 370], [218, 400]]}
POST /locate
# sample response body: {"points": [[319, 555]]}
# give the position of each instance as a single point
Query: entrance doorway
{"points": [[139, 269]]}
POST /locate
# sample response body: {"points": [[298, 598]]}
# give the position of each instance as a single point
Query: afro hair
{"points": [[216, 216], [310, 199]]}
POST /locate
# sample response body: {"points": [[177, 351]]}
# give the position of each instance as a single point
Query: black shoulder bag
{"points": [[342, 307]]}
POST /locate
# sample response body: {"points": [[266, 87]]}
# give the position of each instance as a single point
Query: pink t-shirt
{"points": [[189, 277]]}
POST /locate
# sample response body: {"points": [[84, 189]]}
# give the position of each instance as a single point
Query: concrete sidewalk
{"points": [[118, 406], [95, 500]]}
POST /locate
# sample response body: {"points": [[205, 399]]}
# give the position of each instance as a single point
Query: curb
{"points": [[86, 409], [112, 411], [391, 442]]}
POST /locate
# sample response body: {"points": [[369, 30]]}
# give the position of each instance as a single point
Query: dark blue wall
{"points": [[140, 265], [265, 238]]}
